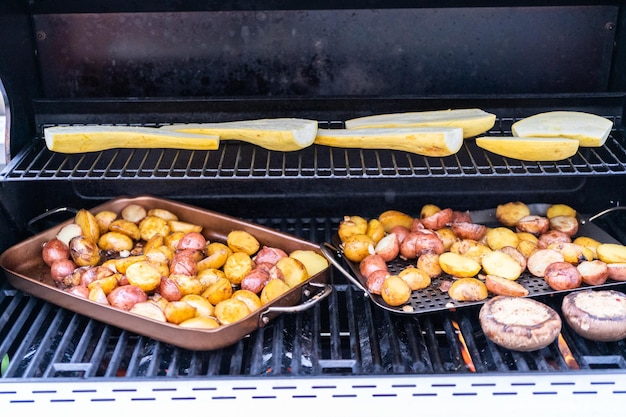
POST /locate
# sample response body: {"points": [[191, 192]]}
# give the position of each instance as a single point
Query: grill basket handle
{"points": [[332, 253]]}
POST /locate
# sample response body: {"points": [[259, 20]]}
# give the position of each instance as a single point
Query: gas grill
{"points": [[156, 63]]}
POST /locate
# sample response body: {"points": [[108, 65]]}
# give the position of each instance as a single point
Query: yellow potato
{"points": [[272, 290], [96, 293], [155, 241], [458, 265], [447, 237], [312, 261], [611, 253], [527, 247], [162, 213], [179, 226], [502, 265], [391, 218], [107, 284], [115, 242], [218, 291], [416, 278], [509, 213], [209, 276], [395, 291], [375, 229], [572, 252], [468, 289], [589, 243], [242, 241], [499, 237], [201, 323], [188, 284], [88, 225], [144, 275], [237, 266], [178, 311], [171, 240], [470, 248], [527, 236], [231, 311], [125, 227], [560, 210], [357, 247], [151, 225], [252, 300], [352, 225], [121, 264], [104, 219], [428, 210], [150, 310], [203, 307], [294, 272], [217, 253]]}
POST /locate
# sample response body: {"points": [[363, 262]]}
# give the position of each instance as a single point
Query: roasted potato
{"points": [[218, 291], [231, 310], [468, 289], [104, 219], [498, 237], [416, 278], [203, 307], [458, 265], [88, 225], [501, 264], [178, 311], [152, 225], [350, 226], [510, 213], [251, 299], [237, 266], [115, 242], [357, 247], [149, 310], [312, 261], [395, 291], [242, 241], [200, 323], [560, 210], [391, 218], [293, 271], [611, 253], [125, 227], [272, 290]]}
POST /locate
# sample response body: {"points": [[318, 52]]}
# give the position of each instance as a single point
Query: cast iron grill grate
{"points": [[346, 334], [236, 161]]}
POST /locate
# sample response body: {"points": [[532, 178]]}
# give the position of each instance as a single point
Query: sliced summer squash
{"points": [[427, 141], [589, 129], [472, 121], [529, 149], [281, 134], [80, 139]]}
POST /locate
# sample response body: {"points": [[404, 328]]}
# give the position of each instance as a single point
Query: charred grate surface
{"points": [[346, 334], [235, 161]]}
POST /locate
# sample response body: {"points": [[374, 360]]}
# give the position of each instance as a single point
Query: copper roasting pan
{"points": [[27, 272], [432, 298]]}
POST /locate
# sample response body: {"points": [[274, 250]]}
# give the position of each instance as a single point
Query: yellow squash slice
{"points": [[80, 139], [426, 141], [529, 149], [281, 134], [589, 129], [472, 121]]}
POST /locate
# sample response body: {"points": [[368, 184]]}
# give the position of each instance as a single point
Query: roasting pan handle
{"points": [[332, 253], [32, 222], [323, 291]]}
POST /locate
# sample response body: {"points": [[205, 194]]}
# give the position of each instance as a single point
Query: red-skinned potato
{"points": [[372, 263], [169, 289], [255, 280], [269, 255], [401, 232], [79, 291], [593, 272], [562, 276], [468, 230], [617, 271], [126, 296], [533, 224], [54, 250], [192, 240], [540, 259], [552, 236], [439, 220], [375, 281], [565, 224], [418, 243], [61, 269]]}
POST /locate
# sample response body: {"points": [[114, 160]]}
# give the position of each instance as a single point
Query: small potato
{"points": [[510, 213], [218, 291], [375, 281], [152, 225], [203, 307], [589, 243], [429, 210], [419, 243], [107, 284], [149, 310], [617, 271], [375, 229], [192, 241], [272, 290], [447, 237], [391, 218], [552, 236], [209, 276], [533, 224], [611, 253], [126, 296], [255, 280], [96, 293], [438, 220], [237, 266], [372, 263], [594, 272], [503, 286], [144, 275], [429, 263], [501, 264], [155, 241], [68, 232], [527, 236], [388, 247], [104, 219], [162, 213], [516, 254], [572, 252], [294, 272], [168, 289], [179, 226], [115, 242], [188, 284], [470, 248], [468, 230], [560, 210], [540, 259], [171, 240], [217, 253], [312, 261], [562, 276], [350, 226], [269, 255], [125, 227], [88, 225], [468, 289], [84, 252], [133, 213], [416, 278], [565, 224], [242, 241], [178, 311], [458, 265], [395, 291], [357, 247], [231, 311], [526, 247], [252, 300], [498, 237], [200, 323]]}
